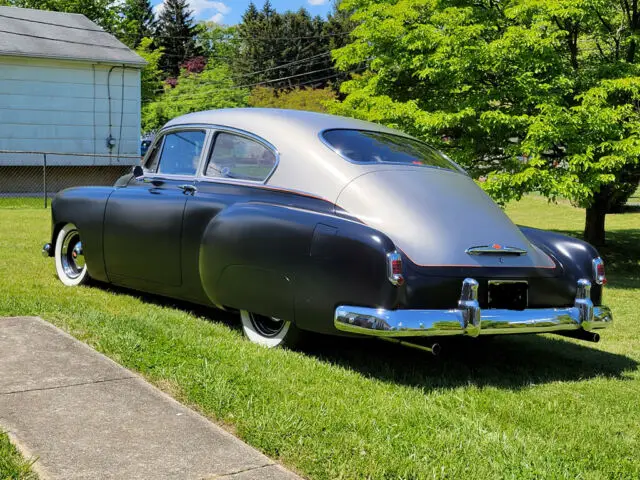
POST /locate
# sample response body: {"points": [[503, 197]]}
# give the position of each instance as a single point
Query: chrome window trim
{"points": [[162, 134], [456, 168], [215, 129]]}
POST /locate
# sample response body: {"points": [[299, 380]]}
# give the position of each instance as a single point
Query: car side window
{"points": [[237, 157], [181, 152]]}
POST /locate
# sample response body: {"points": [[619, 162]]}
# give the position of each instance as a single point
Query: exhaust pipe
{"points": [[434, 349], [581, 335]]}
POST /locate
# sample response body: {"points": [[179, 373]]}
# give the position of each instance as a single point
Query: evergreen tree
{"points": [[288, 50], [176, 34], [138, 21]]}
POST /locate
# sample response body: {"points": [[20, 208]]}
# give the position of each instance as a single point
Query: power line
{"points": [[296, 62], [86, 29], [303, 37], [188, 97], [237, 87], [304, 60], [65, 41]]}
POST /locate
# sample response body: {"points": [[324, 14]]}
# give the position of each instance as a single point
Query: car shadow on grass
{"points": [[509, 362]]}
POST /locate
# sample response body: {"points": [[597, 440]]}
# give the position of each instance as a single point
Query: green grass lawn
{"points": [[518, 407], [12, 465], [23, 202]]}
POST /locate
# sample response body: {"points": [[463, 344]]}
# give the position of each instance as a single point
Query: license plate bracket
{"points": [[508, 294]]}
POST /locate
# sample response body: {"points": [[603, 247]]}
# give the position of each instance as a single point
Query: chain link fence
{"points": [[31, 179]]}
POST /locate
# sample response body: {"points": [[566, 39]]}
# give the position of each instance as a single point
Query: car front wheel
{"points": [[269, 331], [70, 265]]}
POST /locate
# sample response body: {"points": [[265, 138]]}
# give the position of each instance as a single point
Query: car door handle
{"points": [[153, 181], [190, 189]]}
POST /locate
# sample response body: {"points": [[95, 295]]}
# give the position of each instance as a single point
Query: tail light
{"points": [[598, 271], [394, 268]]}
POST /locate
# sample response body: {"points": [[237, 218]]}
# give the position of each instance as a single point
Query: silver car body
{"points": [[433, 215]]}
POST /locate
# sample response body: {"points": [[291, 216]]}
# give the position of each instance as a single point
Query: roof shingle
{"points": [[68, 36]]}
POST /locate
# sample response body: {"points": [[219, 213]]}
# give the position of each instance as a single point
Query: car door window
{"points": [[237, 157], [181, 152]]}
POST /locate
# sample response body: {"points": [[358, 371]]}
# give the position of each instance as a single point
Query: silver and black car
{"points": [[305, 222]]}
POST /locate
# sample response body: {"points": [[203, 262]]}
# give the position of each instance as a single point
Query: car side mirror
{"points": [[138, 172]]}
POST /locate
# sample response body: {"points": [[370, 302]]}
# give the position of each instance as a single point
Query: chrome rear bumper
{"points": [[468, 319]]}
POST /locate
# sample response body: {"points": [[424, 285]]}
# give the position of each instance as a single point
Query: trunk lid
{"points": [[439, 218]]}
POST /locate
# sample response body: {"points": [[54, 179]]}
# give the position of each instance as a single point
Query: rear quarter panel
{"points": [[293, 263]]}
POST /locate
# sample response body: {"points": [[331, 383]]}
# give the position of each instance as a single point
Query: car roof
{"points": [[275, 122], [306, 163]]}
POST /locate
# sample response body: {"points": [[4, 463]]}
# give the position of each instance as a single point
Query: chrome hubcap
{"points": [[266, 326], [72, 255]]}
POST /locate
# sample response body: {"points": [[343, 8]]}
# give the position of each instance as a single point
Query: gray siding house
{"points": [[66, 86]]}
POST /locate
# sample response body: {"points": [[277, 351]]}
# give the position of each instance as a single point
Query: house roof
{"points": [[67, 36]]}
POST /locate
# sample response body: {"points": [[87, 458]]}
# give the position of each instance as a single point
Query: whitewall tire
{"points": [[269, 332], [70, 265]]}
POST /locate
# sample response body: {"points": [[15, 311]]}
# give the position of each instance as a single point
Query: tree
{"points": [[541, 95], [138, 21], [309, 99], [219, 43], [176, 34], [286, 50], [151, 75], [211, 89]]}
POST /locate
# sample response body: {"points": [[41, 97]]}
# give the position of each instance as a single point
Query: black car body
{"points": [[311, 222]]}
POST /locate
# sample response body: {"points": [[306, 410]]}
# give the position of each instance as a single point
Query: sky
{"points": [[229, 12]]}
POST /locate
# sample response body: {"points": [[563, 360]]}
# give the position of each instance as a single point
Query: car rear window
{"points": [[368, 147]]}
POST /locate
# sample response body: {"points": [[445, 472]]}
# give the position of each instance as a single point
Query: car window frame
{"points": [[161, 138], [217, 129]]}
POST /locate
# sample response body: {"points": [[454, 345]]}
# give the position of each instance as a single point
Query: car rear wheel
{"points": [[269, 331], [70, 265]]}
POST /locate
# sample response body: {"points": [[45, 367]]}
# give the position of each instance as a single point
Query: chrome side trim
{"points": [[469, 320]]}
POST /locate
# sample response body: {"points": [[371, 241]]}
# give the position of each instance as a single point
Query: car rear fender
{"points": [[575, 256], [293, 263]]}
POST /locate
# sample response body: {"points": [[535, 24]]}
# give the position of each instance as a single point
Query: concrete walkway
{"points": [[84, 416]]}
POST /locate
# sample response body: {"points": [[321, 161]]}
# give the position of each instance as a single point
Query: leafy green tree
{"points": [[151, 75], [211, 89], [219, 43], [539, 95], [176, 34], [138, 22], [314, 100]]}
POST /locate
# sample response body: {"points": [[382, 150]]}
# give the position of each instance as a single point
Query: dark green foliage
{"points": [[290, 49], [138, 22], [176, 34]]}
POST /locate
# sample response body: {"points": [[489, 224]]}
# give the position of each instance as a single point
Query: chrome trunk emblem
{"points": [[495, 249]]}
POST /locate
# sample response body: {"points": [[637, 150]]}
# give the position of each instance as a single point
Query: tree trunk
{"points": [[594, 221]]}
